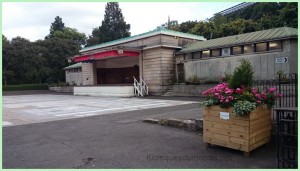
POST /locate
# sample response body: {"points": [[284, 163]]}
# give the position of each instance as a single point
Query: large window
{"points": [[215, 53], [236, 50], [249, 48], [275, 45], [206, 54], [261, 47]]}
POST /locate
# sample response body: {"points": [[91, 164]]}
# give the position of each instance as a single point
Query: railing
{"points": [[140, 87], [287, 137], [287, 85]]}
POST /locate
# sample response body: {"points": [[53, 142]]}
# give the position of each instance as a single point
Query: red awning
{"points": [[101, 55]]}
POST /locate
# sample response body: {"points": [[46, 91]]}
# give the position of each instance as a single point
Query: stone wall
{"points": [[191, 90]]}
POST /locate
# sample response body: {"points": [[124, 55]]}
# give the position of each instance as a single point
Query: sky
{"points": [[32, 20]]}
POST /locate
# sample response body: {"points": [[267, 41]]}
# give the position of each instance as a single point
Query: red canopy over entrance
{"points": [[101, 55]]}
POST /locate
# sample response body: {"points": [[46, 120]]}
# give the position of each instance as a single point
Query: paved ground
{"points": [[118, 139], [34, 108]]}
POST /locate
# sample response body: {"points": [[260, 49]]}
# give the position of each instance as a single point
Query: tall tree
{"points": [[113, 26], [57, 25]]}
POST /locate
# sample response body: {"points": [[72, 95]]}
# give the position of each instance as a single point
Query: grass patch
{"points": [[25, 87]]}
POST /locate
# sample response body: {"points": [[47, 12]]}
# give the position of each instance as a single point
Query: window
{"points": [[261, 47], [248, 48], [205, 54], [275, 45], [226, 52], [215, 52], [196, 55], [236, 50]]}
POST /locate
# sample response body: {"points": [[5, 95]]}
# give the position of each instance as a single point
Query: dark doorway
{"points": [[180, 71], [117, 75]]}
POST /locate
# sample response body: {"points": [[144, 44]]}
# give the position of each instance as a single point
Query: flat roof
{"points": [[144, 35], [246, 38]]}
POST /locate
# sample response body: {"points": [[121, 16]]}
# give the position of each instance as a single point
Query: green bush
{"points": [[242, 76], [25, 87]]}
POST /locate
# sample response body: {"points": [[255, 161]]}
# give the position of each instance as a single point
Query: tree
{"points": [[113, 26], [288, 15], [7, 63], [94, 38], [186, 27], [71, 34], [170, 25], [57, 25], [239, 26], [206, 29]]}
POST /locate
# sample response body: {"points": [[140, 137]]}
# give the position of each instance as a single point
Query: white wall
{"points": [[109, 91]]}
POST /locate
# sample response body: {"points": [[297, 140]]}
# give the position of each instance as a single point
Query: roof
{"points": [[253, 37], [77, 65], [144, 35]]}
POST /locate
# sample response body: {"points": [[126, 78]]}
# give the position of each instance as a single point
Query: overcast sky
{"points": [[32, 20]]}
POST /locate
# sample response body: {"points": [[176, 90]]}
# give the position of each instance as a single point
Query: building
{"points": [[236, 8], [108, 69], [269, 51], [74, 74]]}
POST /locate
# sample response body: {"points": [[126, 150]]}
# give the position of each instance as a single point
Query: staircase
{"points": [[140, 87], [169, 91]]}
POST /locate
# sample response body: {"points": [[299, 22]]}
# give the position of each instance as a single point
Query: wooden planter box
{"points": [[244, 133]]}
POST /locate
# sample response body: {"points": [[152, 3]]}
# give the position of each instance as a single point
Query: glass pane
{"points": [[215, 52], [248, 48], [261, 47], [274, 45], [236, 50], [196, 55], [205, 54]]}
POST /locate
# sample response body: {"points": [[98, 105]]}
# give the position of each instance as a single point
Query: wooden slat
{"points": [[228, 132], [230, 121]]}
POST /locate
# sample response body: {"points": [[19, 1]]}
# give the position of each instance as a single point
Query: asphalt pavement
{"points": [[121, 140]]}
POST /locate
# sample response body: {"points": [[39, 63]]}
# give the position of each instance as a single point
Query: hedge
{"points": [[25, 87]]}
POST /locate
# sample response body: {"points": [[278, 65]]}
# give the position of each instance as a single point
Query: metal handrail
{"points": [[144, 85], [140, 87], [137, 87]]}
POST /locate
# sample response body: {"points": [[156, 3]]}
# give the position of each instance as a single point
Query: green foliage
{"points": [[238, 26], [242, 76], [25, 87], [289, 15], [209, 102], [260, 16], [227, 77], [242, 108], [57, 25], [206, 29], [113, 26], [41, 61]]}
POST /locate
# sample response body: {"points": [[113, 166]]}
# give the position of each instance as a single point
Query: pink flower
{"points": [[271, 90], [258, 101], [279, 95], [227, 100]]}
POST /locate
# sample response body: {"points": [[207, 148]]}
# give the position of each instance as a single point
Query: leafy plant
{"points": [[243, 107], [242, 76], [226, 78]]}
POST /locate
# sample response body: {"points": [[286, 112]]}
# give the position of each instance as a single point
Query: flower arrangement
{"points": [[243, 98]]}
